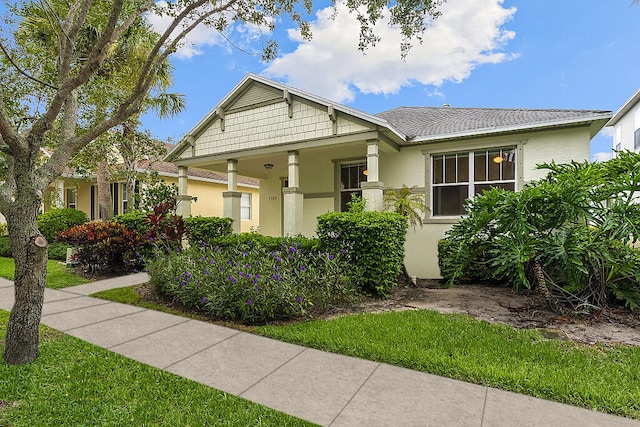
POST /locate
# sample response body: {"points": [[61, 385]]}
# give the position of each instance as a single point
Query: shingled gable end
{"points": [[310, 154]]}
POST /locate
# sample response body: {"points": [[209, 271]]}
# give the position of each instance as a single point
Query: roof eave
{"points": [[603, 117], [631, 102]]}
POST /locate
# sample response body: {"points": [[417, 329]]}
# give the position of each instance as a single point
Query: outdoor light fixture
{"points": [[498, 159], [268, 165], [365, 172]]}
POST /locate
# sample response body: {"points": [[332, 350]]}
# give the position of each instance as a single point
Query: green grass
{"points": [[74, 383], [601, 378], [128, 295], [58, 276]]}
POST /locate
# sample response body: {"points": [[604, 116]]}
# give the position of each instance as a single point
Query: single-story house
{"points": [[626, 125], [207, 186], [310, 154]]}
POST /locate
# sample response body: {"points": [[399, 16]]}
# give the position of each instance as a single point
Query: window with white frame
{"points": [[636, 139], [125, 197], [457, 176], [352, 175], [71, 198], [245, 206]]}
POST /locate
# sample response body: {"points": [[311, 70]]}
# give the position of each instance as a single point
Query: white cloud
{"points": [[602, 156], [469, 33]]}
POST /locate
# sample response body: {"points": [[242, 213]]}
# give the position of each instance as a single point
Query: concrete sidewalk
{"points": [[321, 387]]}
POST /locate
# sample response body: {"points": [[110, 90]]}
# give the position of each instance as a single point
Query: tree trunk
{"points": [[29, 250], [104, 191]]}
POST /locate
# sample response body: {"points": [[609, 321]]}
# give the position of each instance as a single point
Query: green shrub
{"points": [[250, 281], [58, 251], [270, 243], [104, 245], [372, 241], [54, 221], [134, 220], [206, 229], [3, 229], [5, 247], [570, 234]]}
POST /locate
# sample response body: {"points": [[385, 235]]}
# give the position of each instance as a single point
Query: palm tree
{"points": [[406, 203]]}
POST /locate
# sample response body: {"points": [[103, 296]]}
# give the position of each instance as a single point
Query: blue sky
{"points": [[480, 53]]}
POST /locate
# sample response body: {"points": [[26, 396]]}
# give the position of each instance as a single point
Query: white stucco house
{"points": [[310, 154], [626, 125]]}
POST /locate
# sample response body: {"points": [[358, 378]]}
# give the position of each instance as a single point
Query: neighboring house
{"points": [[626, 125], [311, 154], [81, 193]]}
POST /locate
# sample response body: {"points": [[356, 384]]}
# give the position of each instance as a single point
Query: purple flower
{"points": [[221, 268], [247, 266], [182, 284], [292, 249], [203, 299], [234, 280], [248, 276], [331, 256], [278, 258], [257, 287], [206, 272], [249, 302], [303, 268], [241, 274], [299, 299], [203, 259], [203, 245], [212, 261], [151, 239], [257, 276]]}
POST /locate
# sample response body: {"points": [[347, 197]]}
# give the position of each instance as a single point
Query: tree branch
{"points": [[21, 71]]}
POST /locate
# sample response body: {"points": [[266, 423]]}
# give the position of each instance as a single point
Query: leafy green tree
{"points": [[45, 94], [570, 234]]}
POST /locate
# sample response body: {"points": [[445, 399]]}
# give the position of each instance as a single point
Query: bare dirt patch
{"points": [[506, 306]]}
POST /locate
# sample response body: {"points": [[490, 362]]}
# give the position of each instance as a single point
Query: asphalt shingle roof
{"points": [[427, 122]]}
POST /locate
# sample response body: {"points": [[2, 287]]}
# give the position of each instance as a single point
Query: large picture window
{"points": [[457, 176], [352, 175], [636, 139]]}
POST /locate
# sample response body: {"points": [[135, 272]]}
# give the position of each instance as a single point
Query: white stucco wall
{"points": [[624, 129]]}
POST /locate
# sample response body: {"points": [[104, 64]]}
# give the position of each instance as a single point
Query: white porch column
{"points": [[293, 198], [184, 200], [58, 200], [373, 189], [231, 197]]}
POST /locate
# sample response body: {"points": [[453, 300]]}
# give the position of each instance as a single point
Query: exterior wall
{"points": [[271, 206], [422, 244], [623, 130], [269, 125]]}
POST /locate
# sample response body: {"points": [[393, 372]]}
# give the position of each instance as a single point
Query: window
{"points": [[245, 206], [71, 198], [636, 139], [125, 199], [351, 176], [458, 176]]}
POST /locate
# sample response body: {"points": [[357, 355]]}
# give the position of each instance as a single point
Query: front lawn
{"points": [[76, 383], [602, 378], [57, 274]]}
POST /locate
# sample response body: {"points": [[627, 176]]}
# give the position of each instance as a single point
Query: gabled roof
{"points": [[415, 125], [422, 124], [631, 102]]}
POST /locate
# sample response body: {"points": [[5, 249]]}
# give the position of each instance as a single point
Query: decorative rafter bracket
{"points": [[333, 116], [287, 99]]}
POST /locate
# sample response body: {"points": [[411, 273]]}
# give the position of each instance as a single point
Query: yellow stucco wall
{"points": [[209, 196]]}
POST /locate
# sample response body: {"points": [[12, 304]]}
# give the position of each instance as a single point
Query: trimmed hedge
{"points": [[373, 243], [267, 242], [206, 229], [134, 220], [56, 220], [5, 247]]}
